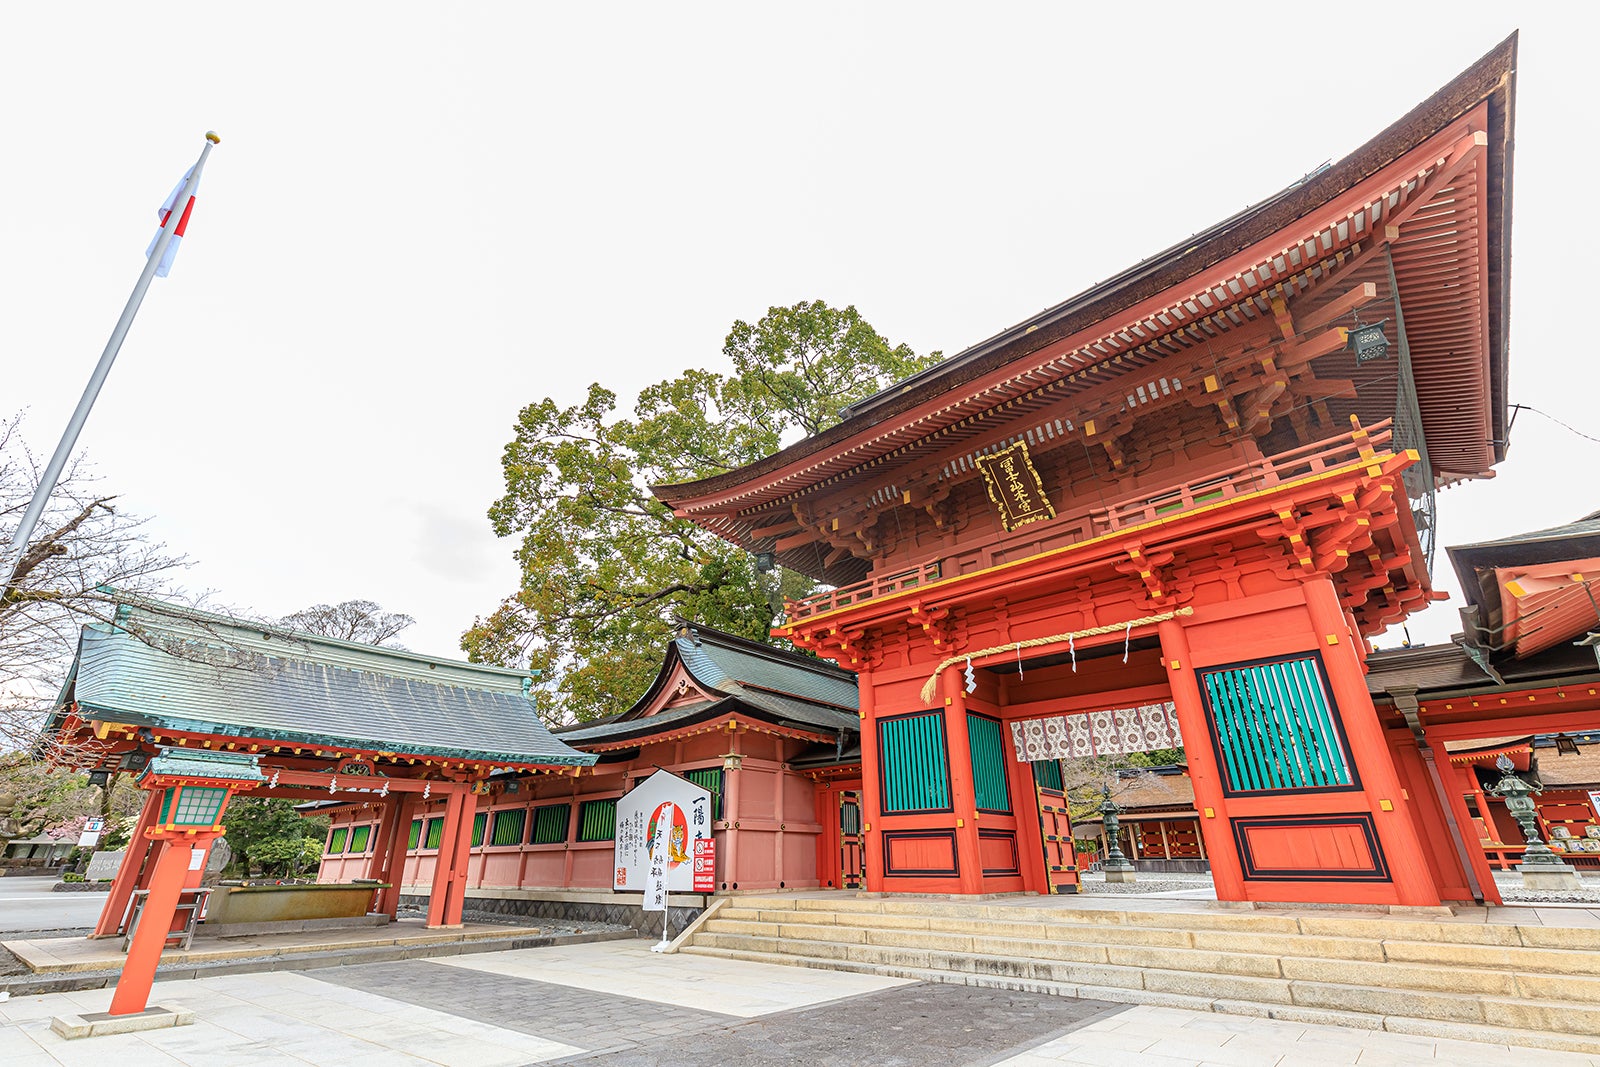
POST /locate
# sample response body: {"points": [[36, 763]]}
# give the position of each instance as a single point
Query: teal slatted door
{"points": [[1274, 728], [913, 763], [1047, 774], [988, 752]]}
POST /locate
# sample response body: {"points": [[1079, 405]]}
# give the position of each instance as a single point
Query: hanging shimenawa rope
{"points": [[932, 684]]}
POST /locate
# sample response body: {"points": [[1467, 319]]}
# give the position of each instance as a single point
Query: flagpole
{"points": [[69, 439]]}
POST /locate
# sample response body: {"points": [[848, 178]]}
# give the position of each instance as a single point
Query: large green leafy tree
{"points": [[605, 566]]}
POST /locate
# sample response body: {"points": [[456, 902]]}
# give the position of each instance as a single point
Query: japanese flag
{"points": [[177, 235]]}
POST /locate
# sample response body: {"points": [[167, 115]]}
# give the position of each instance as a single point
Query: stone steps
{"points": [[1360, 1020], [1519, 985]]}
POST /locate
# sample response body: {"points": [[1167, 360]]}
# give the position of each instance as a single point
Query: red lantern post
{"points": [[195, 788]]}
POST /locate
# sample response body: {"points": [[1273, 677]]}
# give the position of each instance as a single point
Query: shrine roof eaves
{"points": [[794, 715], [1491, 78], [727, 665], [264, 689], [745, 677], [1446, 670], [1574, 540], [730, 664]]}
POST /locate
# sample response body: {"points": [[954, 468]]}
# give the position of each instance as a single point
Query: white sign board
{"points": [[90, 834], [644, 813]]}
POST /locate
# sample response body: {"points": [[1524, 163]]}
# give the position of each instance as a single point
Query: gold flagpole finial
{"points": [[211, 135]]}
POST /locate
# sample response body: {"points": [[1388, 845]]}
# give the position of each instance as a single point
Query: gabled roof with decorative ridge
{"points": [[172, 669], [744, 677], [728, 663], [1454, 254]]}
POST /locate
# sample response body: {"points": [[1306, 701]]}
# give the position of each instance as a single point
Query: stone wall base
{"points": [[491, 904], [1194, 866]]}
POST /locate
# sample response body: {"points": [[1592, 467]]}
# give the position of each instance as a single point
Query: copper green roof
{"points": [[171, 669], [204, 763], [745, 677]]}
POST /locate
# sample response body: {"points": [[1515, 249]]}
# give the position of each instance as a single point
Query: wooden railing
{"points": [[1509, 857], [1242, 478], [1302, 462], [847, 595]]}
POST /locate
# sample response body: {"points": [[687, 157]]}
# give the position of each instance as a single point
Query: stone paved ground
{"points": [[580, 1017], [926, 1025], [921, 1025], [615, 1004]]}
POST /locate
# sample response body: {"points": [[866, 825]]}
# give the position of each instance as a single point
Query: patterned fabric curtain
{"points": [[1097, 733]]}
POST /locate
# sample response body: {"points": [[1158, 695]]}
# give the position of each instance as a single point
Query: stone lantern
{"points": [[1116, 867], [1541, 868]]}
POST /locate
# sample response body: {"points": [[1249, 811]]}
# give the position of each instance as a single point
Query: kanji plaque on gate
{"points": [[1015, 487]]}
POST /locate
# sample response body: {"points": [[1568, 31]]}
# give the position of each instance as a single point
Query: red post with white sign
{"points": [[705, 865]]}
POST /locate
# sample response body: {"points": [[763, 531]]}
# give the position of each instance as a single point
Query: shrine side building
{"points": [[1171, 510]]}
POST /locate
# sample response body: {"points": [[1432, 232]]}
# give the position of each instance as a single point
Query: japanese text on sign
{"points": [[1015, 487]]}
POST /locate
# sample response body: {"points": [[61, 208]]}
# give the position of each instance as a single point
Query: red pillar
{"points": [[155, 922], [382, 841], [1025, 806], [382, 833], [732, 785], [871, 801], [456, 889], [444, 861], [827, 840], [128, 875], [393, 846], [1458, 781], [1413, 881], [1226, 874], [963, 790]]}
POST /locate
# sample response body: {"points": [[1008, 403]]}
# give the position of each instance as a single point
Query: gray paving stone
{"points": [[922, 1025], [579, 1017]]}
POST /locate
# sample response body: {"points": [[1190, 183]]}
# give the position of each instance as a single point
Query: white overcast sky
{"points": [[423, 217]]}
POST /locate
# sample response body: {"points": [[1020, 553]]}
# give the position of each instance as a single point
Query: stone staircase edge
{"points": [[1546, 1039]]}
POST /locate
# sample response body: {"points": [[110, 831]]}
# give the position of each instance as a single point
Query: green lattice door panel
{"points": [[1275, 728], [913, 763]]}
